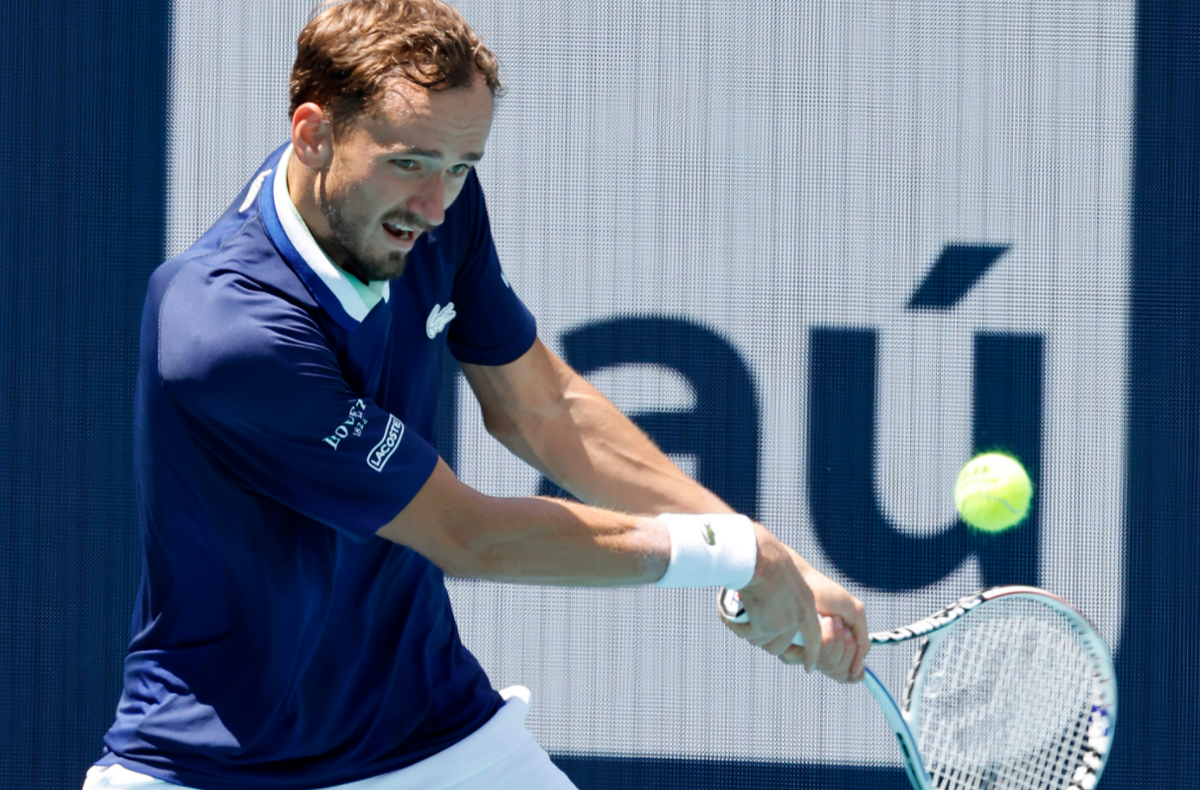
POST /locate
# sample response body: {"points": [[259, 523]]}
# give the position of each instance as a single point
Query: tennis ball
{"points": [[992, 492]]}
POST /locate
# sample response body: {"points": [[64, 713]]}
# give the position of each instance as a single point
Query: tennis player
{"points": [[292, 627]]}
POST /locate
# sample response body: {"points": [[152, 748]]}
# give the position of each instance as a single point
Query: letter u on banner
{"points": [[849, 521]]}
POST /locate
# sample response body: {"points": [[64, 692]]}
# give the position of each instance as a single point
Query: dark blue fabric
{"points": [[81, 228], [276, 642]]}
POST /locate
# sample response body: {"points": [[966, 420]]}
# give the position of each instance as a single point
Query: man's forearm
{"points": [[576, 437], [617, 466], [530, 540]]}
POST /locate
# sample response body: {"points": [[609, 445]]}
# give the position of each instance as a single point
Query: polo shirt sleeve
{"points": [[492, 326], [259, 389]]}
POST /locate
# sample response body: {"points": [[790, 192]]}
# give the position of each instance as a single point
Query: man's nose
{"points": [[429, 201]]}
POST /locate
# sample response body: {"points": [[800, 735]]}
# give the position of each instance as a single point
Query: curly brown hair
{"points": [[350, 49]]}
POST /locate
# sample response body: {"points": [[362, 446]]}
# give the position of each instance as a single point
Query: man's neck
{"points": [[302, 189]]}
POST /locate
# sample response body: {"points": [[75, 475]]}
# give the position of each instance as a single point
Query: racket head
{"points": [[1020, 694], [1010, 688]]}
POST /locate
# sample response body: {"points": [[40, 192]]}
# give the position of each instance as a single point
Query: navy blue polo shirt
{"points": [[284, 412]]}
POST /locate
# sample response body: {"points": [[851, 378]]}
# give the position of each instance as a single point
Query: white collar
{"points": [[356, 298]]}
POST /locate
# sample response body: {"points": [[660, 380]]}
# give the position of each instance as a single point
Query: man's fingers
{"points": [[862, 639], [838, 651], [758, 638], [858, 665], [833, 646], [779, 645], [849, 649], [766, 640], [793, 655], [751, 633], [810, 629]]}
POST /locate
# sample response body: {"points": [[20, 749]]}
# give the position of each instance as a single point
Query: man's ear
{"points": [[312, 136]]}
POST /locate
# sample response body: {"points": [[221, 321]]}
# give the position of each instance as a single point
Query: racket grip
{"points": [[730, 607]]}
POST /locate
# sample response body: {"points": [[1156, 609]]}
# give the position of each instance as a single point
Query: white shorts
{"points": [[500, 755]]}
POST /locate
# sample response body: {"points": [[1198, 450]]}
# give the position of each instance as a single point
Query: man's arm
{"points": [[536, 540], [531, 540], [553, 419]]}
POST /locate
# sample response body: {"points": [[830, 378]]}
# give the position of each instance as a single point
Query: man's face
{"points": [[396, 170]]}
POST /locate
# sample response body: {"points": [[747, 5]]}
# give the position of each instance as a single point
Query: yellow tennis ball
{"points": [[992, 492]]}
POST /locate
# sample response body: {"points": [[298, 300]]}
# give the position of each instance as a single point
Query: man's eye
{"points": [[459, 170], [406, 164]]}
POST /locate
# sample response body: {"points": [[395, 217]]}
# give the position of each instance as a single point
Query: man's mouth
{"points": [[399, 231]]}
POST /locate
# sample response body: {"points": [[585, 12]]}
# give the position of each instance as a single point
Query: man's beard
{"points": [[349, 245]]}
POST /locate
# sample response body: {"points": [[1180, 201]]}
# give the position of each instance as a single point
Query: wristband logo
{"points": [[380, 453], [709, 536]]}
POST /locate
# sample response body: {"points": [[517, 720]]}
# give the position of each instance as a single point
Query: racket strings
{"points": [[1006, 701]]}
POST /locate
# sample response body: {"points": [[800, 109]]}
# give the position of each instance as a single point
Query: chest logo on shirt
{"points": [[438, 318], [380, 453]]}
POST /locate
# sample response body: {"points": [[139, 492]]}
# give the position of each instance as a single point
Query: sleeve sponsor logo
{"points": [[352, 426], [380, 453]]}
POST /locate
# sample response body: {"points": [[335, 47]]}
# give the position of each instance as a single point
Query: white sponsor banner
{"points": [[761, 171]]}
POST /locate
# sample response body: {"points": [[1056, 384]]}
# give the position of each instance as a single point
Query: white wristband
{"points": [[710, 550]]}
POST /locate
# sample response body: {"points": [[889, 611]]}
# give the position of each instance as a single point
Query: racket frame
{"points": [[897, 720], [931, 631]]}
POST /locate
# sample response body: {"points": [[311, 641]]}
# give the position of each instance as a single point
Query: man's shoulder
{"points": [[239, 228], [234, 261], [229, 307]]}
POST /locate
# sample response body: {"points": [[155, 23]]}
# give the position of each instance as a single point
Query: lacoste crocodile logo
{"points": [[709, 536], [438, 318]]}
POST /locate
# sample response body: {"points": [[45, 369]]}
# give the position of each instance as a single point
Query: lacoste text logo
{"points": [[709, 536], [438, 318], [380, 453]]}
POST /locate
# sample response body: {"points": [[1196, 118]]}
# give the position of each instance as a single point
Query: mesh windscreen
{"points": [[821, 253]]}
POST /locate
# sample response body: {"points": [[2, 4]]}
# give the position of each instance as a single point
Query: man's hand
{"points": [[785, 598], [845, 637]]}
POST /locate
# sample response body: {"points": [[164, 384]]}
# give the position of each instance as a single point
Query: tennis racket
{"points": [[1010, 689]]}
